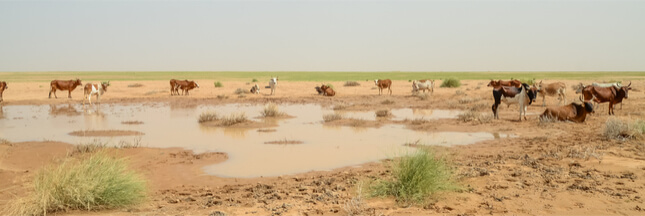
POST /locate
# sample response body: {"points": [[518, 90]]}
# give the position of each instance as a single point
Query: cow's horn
{"points": [[630, 83]]}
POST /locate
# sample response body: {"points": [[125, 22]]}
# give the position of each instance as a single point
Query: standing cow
{"points": [[552, 89], [184, 85], [3, 86], [63, 85], [423, 85], [94, 89], [523, 96], [273, 82], [613, 95], [383, 84]]}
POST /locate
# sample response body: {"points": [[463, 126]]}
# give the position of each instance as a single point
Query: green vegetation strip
{"points": [[310, 76]]}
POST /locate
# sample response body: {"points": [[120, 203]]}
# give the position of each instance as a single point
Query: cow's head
{"points": [[195, 84], [415, 88], [587, 105], [493, 83], [376, 82], [78, 82], [531, 92], [104, 85], [626, 89], [3, 85]]}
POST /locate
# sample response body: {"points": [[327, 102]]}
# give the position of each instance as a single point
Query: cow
{"points": [[319, 90], [383, 84], [423, 85], [3, 86], [514, 83], [184, 85], [552, 89], [613, 94], [523, 96], [327, 91], [273, 82], [94, 89], [255, 89], [173, 87], [572, 112], [63, 85]]}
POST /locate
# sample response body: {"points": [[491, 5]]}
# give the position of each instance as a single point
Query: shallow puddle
{"points": [[323, 147], [402, 114]]}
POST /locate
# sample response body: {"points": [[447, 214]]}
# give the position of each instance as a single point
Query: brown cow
{"points": [[572, 112], [63, 85], [552, 89], [383, 84], [522, 96], [613, 95], [327, 91], [185, 86], [173, 87], [495, 84], [3, 86]]}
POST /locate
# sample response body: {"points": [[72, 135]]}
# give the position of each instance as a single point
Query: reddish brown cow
{"points": [[3, 86], [495, 84], [63, 85], [185, 86], [613, 95], [572, 112], [327, 91], [383, 84], [173, 87]]}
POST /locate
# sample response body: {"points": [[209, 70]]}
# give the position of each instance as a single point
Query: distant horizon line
{"points": [[316, 71]]}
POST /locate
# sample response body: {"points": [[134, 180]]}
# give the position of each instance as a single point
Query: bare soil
{"points": [[555, 168]]}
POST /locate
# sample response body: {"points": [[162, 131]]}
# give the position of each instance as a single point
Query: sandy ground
{"points": [[557, 168]]}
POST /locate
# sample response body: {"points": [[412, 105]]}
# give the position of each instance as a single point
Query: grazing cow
{"points": [[319, 90], [3, 86], [273, 82], [552, 89], [423, 85], [95, 89], [327, 91], [572, 112], [383, 84], [255, 89], [495, 84], [63, 85], [185, 86], [523, 96], [613, 95]]}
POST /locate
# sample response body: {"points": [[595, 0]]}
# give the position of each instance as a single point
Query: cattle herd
{"points": [[509, 92]]}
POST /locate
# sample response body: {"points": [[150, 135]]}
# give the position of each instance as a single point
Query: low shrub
{"points": [[208, 116], [383, 113], [387, 102], [332, 117], [254, 80], [240, 91], [218, 84], [271, 110], [352, 83], [93, 183], [623, 129], [450, 83], [416, 178], [234, 118]]}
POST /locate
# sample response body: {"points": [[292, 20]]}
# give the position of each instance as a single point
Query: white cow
{"points": [[95, 89], [423, 85], [273, 83]]}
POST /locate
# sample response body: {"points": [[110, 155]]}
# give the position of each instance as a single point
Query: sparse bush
{"points": [[340, 107], [383, 113], [467, 100], [254, 80], [479, 106], [623, 129], [93, 183], [545, 121], [208, 116], [234, 118], [91, 147], [136, 85], [450, 83], [332, 117], [468, 116], [352, 83], [240, 91], [423, 96], [218, 84], [271, 110], [387, 102], [222, 97], [485, 118], [419, 121], [356, 205], [136, 143], [459, 92], [416, 178]]}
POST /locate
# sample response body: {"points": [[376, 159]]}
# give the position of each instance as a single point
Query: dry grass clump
{"points": [[352, 83], [207, 117], [284, 142], [92, 183], [546, 121], [332, 117], [132, 122], [387, 102], [340, 106], [416, 178], [240, 91], [357, 122], [356, 206], [234, 118], [467, 100], [418, 121], [383, 113], [622, 129], [479, 106], [4, 141], [271, 110], [222, 96], [136, 143], [470, 115], [136, 85]]}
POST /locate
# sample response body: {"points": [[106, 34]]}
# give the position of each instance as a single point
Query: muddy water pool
{"points": [[323, 148]]}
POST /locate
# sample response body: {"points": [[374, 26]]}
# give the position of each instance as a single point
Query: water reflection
{"points": [[64, 109]]}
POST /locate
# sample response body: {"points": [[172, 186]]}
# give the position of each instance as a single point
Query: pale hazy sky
{"points": [[322, 36]]}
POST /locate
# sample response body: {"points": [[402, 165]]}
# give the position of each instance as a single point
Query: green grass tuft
{"points": [[416, 179], [254, 80], [93, 183], [450, 83], [218, 84]]}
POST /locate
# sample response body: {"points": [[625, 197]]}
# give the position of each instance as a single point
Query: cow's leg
{"points": [[69, 94], [611, 108], [390, 90], [54, 91], [543, 100]]}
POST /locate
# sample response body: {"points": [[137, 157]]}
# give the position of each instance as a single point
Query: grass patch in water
{"points": [[332, 117], [271, 110], [207, 117]]}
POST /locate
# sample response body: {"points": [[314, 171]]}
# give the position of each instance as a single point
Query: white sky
{"points": [[323, 36]]}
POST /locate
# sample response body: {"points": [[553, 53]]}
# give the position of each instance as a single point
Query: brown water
{"points": [[323, 147]]}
